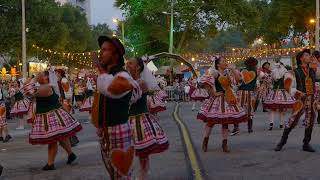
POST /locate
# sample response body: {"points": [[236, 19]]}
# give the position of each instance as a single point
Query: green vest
{"points": [[301, 78], [250, 86]]}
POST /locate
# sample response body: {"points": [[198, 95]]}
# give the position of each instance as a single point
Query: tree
{"points": [[195, 22]]}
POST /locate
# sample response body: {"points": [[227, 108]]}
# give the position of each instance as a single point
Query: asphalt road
{"points": [[251, 155]]}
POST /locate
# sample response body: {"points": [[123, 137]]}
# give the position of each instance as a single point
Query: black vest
{"points": [[112, 111], [140, 106]]}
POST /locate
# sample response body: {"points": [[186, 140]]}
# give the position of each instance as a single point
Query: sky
{"points": [[102, 11]]}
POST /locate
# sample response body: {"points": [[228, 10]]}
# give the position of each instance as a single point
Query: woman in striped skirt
{"points": [[149, 138], [21, 105], [222, 108], [279, 99], [52, 124]]}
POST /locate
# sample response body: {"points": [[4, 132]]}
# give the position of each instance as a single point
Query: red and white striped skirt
{"points": [[149, 137], [53, 126]]}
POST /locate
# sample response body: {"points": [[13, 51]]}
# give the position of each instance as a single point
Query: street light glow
{"points": [[181, 64], [192, 59], [115, 20], [312, 21]]}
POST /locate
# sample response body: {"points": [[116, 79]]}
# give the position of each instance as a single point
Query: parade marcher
{"points": [[87, 102], [199, 94], [222, 107], [305, 81], [279, 98], [21, 105], [116, 91], [246, 91], [4, 134], [52, 124], [65, 93], [149, 138], [316, 62], [265, 82]]}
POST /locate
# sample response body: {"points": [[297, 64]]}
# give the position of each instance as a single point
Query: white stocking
{"points": [[272, 114], [281, 114]]}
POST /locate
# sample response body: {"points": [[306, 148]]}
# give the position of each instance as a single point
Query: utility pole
{"points": [[171, 29], [24, 45], [317, 26]]}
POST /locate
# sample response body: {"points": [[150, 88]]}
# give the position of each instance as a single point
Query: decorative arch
{"points": [[173, 57]]}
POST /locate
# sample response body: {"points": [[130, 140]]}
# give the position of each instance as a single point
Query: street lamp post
{"points": [[122, 27], [317, 26], [24, 45], [171, 29]]}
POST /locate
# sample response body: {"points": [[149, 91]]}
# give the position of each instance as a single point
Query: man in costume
{"points": [[304, 93], [116, 91], [246, 93]]}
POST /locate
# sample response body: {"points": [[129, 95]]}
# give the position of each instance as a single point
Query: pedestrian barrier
{"points": [[176, 95]]}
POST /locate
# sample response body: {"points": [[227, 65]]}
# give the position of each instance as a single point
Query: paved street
{"points": [[251, 155]]}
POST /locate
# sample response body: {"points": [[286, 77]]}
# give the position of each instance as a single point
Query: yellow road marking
{"points": [[190, 149]]}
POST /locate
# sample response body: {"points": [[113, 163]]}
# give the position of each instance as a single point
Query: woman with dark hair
{"points": [[199, 94], [246, 91], [222, 107], [279, 99], [265, 84], [149, 138], [52, 124], [21, 105], [65, 92]]}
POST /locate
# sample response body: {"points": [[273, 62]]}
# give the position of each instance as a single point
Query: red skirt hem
{"points": [[56, 138], [153, 149], [277, 106], [217, 120], [157, 109]]}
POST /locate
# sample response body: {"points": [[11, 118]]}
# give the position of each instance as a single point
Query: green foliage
{"points": [[195, 22], [50, 25]]}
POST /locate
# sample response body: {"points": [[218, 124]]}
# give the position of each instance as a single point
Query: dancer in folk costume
{"points": [[222, 107], [21, 105], [162, 94], [52, 124], [87, 103], [199, 94], [149, 138], [110, 112], [246, 91], [4, 133], [65, 93], [279, 99], [316, 63], [305, 87], [265, 82]]}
